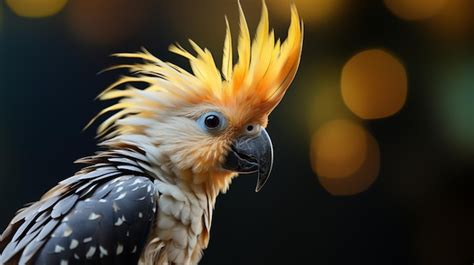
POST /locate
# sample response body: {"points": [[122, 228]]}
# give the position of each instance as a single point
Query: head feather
{"points": [[257, 82]]}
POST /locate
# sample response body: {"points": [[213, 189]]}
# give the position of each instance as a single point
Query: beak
{"points": [[250, 155]]}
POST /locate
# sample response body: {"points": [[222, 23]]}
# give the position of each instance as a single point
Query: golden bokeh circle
{"points": [[415, 9], [374, 84], [360, 180], [36, 8], [454, 22], [338, 149]]}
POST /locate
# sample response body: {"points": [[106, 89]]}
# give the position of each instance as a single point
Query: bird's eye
{"points": [[252, 129], [212, 121]]}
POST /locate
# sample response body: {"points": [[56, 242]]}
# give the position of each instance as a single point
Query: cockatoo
{"points": [[171, 146]]}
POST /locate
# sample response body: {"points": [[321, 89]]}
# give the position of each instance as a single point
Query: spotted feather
{"points": [[103, 215]]}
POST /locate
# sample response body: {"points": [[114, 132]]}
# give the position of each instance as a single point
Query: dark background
{"points": [[419, 210]]}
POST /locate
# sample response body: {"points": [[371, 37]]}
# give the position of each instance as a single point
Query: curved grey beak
{"points": [[250, 155]]}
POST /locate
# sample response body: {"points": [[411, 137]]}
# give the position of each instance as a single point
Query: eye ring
{"points": [[212, 121], [252, 129]]}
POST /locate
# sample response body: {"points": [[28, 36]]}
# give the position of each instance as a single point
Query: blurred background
{"points": [[374, 141]]}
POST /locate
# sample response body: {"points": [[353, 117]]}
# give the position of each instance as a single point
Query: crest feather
{"points": [[257, 82], [243, 49], [227, 59]]}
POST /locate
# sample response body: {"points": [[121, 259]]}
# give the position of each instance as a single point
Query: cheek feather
{"points": [[207, 155], [188, 147], [199, 154]]}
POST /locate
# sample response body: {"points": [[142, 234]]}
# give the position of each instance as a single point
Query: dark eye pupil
{"points": [[212, 121], [250, 128]]}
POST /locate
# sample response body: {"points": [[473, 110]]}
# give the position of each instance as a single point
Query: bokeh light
{"points": [[107, 22], [318, 98], [355, 154], [312, 11], [374, 84], [415, 9], [338, 149], [359, 181], [454, 103], [36, 8], [454, 23]]}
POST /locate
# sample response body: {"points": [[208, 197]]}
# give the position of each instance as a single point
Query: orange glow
{"points": [[360, 180], [36, 8], [106, 21], [455, 20], [338, 149], [374, 84], [312, 11], [415, 9]]}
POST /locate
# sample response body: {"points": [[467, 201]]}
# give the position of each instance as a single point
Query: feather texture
{"points": [[158, 155], [256, 83], [227, 59], [64, 224]]}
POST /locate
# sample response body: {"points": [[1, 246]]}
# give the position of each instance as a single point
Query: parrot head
{"points": [[206, 125]]}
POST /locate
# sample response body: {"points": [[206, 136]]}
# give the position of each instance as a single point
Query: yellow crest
{"points": [[258, 81]]}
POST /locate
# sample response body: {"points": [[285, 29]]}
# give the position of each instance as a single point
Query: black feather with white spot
{"points": [[102, 215]]}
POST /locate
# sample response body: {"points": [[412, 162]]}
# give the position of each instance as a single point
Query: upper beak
{"points": [[249, 155]]}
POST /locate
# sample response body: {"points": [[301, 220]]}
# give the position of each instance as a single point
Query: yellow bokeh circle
{"points": [[360, 180], [374, 84], [36, 8], [415, 9], [338, 149]]}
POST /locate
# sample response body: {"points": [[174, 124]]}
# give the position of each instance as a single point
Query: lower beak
{"points": [[250, 155]]}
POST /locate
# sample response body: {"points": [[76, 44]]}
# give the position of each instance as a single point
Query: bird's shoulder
{"points": [[103, 212]]}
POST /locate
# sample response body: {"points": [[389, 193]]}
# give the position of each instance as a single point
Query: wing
{"points": [[102, 216]]}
